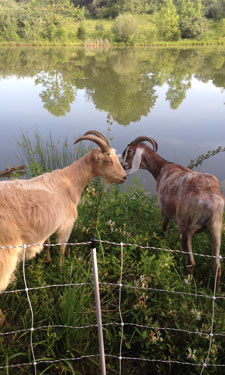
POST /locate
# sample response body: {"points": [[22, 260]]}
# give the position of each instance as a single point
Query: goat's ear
{"points": [[136, 162]]}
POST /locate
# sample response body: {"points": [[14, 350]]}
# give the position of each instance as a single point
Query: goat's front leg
{"points": [[48, 253], [62, 251], [189, 263], [9, 259], [63, 235]]}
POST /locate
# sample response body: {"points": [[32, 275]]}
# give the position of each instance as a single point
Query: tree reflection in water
{"points": [[121, 82]]}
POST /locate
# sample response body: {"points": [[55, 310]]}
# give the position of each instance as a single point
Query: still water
{"points": [[173, 95]]}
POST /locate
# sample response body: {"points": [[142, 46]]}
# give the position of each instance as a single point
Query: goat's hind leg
{"points": [[165, 221], [9, 259], [186, 240], [216, 242]]}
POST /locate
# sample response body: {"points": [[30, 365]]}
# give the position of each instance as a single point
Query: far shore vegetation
{"points": [[110, 22]]}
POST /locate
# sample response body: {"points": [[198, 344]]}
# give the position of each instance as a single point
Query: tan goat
{"points": [[193, 199], [32, 210]]}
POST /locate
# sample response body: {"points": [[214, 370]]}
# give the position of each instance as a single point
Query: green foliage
{"points": [[200, 159], [219, 28], [78, 13], [191, 21], [193, 28], [125, 28], [8, 24], [81, 32], [35, 20], [135, 6], [51, 32], [214, 9], [57, 22], [168, 22], [108, 10]]}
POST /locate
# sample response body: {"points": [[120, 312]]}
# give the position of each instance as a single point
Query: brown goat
{"points": [[32, 210], [193, 199]]}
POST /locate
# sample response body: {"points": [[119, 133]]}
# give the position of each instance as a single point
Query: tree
{"points": [[104, 8], [135, 6], [8, 21], [168, 22], [214, 9], [191, 21]]}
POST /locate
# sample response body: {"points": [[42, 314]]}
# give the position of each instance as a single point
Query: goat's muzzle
{"points": [[121, 180]]}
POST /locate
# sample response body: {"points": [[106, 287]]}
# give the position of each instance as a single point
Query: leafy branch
{"points": [[199, 160]]}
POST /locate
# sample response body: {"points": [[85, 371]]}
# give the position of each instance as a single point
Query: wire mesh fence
{"points": [[126, 351]]}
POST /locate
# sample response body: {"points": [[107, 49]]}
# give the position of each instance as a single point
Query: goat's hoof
{"points": [[2, 318]]}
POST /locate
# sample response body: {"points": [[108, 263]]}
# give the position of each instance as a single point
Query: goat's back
{"points": [[193, 195], [29, 212]]}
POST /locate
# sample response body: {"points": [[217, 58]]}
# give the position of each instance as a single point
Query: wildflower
{"points": [[188, 279], [192, 354], [111, 224], [197, 314], [155, 336], [144, 281]]}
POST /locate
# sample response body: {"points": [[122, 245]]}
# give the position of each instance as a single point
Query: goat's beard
{"points": [[106, 185]]}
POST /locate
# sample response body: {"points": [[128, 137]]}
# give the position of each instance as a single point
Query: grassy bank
{"points": [[65, 30], [129, 217]]}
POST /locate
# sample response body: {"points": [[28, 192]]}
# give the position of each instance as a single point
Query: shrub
{"points": [[193, 28], [60, 33], [50, 31], [125, 28], [220, 28], [81, 32]]}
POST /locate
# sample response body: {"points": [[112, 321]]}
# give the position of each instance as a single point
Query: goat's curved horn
{"points": [[98, 134], [142, 139], [102, 144]]}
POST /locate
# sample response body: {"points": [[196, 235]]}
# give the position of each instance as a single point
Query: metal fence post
{"points": [[98, 306]]}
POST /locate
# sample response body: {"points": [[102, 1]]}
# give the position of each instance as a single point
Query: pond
{"points": [[174, 95]]}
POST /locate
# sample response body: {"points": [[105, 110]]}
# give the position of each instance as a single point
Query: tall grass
{"points": [[46, 154]]}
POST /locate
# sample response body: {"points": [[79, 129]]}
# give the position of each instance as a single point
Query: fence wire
{"points": [[35, 362]]}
